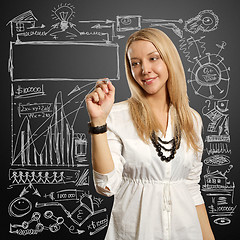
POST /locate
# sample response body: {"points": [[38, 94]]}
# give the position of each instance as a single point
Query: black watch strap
{"points": [[98, 129]]}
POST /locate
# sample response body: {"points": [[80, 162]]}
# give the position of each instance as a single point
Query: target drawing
{"points": [[210, 77]]}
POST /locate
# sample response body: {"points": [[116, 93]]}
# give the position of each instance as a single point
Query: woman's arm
{"points": [[204, 222], [102, 161], [99, 103]]}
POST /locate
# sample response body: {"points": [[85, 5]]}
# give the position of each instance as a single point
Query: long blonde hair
{"points": [[182, 115]]}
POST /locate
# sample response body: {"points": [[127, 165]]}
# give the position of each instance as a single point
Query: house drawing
{"points": [[24, 21]]}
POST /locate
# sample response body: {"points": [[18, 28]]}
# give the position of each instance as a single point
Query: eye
{"points": [[135, 64], [154, 58]]}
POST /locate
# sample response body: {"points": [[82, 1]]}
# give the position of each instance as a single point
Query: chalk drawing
{"points": [[128, 23], [210, 77], [59, 52], [218, 148], [46, 145], [219, 122], [85, 202], [205, 21], [19, 207], [168, 24], [217, 160], [56, 151]]}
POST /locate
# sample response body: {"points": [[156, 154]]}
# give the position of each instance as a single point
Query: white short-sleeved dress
{"points": [[153, 200]]}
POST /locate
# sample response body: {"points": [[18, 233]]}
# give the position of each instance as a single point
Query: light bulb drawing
{"points": [[63, 14]]}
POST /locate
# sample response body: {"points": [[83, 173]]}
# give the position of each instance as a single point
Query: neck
{"points": [[159, 103]]}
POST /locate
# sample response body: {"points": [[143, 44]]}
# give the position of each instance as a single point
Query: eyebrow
{"points": [[147, 54]]}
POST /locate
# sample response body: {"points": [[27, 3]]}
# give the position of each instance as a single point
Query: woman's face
{"points": [[147, 67]]}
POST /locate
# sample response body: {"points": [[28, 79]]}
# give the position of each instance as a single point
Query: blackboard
{"points": [[52, 53]]}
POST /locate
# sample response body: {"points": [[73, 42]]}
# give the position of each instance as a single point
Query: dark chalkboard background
{"points": [[52, 52]]}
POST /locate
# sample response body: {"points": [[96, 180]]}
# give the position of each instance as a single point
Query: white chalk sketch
{"points": [[30, 177], [19, 207], [128, 23], [219, 121], [217, 180], [222, 221], [63, 14], [24, 21], [85, 209], [82, 212], [210, 77], [217, 160], [28, 92], [62, 146], [168, 24], [192, 48], [97, 226], [23, 229], [205, 21], [46, 145], [218, 148], [31, 61], [221, 192]]}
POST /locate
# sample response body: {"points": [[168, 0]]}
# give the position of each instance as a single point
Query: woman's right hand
{"points": [[99, 102]]}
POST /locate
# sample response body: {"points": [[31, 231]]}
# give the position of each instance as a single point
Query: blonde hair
{"points": [[182, 115]]}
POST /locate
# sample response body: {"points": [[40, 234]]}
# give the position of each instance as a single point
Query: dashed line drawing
{"points": [[205, 21]]}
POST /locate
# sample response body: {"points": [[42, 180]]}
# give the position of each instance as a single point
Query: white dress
{"points": [[153, 200]]}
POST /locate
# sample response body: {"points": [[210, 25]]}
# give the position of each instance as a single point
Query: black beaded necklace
{"points": [[158, 144]]}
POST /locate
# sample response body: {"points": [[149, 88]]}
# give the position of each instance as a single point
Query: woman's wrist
{"points": [[97, 129], [95, 122]]}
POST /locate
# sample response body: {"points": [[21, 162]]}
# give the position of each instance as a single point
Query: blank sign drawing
{"points": [[63, 61]]}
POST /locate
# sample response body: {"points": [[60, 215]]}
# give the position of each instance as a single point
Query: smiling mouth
{"points": [[149, 80]]}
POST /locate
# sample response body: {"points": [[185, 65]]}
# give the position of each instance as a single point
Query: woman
{"points": [[149, 154]]}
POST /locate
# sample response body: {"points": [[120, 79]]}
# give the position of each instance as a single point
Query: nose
{"points": [[146, 67]]}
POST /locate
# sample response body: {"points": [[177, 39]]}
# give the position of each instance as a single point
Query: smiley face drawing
{"points": [[19, 207]]}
